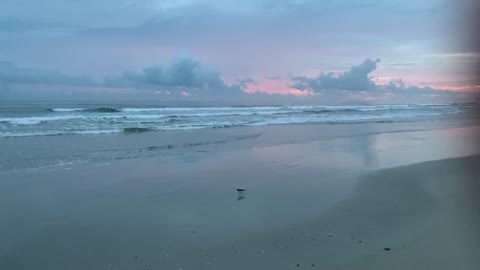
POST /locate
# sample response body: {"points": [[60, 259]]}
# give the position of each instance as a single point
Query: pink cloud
{"points": [[461, 88]]}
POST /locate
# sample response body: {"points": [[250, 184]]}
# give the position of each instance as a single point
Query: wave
{"points": [[97, 110], [164, 109], [179, 112], [256, 110], [370, 108], [65, 109], [328, 111], [136, 130], [193, 144], [210, 114], [75, 121], [36, 120], [57, 133], [103, 110]]}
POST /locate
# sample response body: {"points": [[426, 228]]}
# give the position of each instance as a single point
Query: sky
{"points": [[299, 51]]}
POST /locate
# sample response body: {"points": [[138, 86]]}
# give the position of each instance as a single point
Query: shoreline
{"points": [[57, 150]]}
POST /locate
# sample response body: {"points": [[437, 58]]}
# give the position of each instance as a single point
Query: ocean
{"points": [[79, 119]]}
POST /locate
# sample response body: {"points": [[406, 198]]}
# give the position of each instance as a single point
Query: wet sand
{"points": [[334, 203], [421, 216]]}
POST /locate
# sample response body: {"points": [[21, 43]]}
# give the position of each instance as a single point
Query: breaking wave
{"points": [[95, 110], [130, 120]]}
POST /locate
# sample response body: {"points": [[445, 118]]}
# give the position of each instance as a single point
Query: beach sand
{"points": [[402, 199], [421, 216]]}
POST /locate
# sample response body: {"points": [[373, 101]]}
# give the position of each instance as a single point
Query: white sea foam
{"points": [[167, 109], [67, 109], [111, 120]]}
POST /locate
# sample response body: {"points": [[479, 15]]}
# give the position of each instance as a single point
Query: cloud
{"points": [[356, 79], [10, 73], [356, 85], [244, 82], [97, 37], [183, 72], [398, 87], [181, 75], [185, 78]]}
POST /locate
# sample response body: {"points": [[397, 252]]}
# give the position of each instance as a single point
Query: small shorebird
{"points": [[241, 195]]}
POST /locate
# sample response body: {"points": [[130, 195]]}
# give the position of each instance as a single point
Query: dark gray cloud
{"points": [[188, 79], [10, 74], [399, 87], [243, 82], [356, 84], [356, 79], [184, 74]]}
